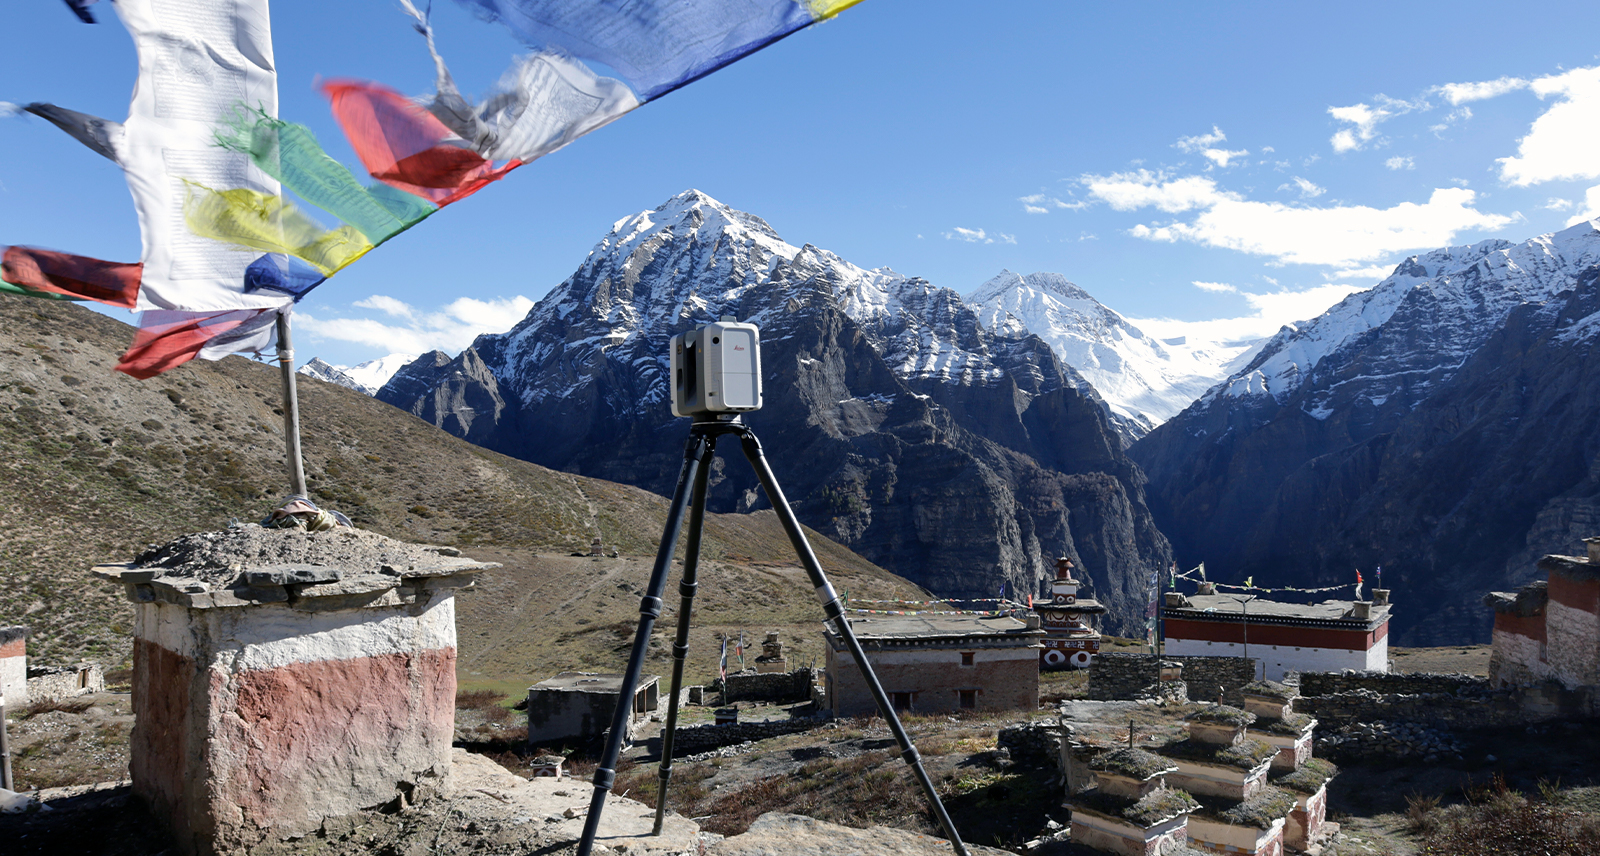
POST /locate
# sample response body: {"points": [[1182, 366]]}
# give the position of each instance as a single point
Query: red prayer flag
{"points": [[111, 283], [405, 146]]}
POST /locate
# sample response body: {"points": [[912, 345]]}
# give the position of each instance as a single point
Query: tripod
{"points": [[692, 479]]}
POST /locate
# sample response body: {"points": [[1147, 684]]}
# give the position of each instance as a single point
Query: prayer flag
{"points": [[656, 46], [81, 9], [722, 664]]}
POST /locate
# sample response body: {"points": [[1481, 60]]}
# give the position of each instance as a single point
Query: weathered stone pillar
{"points": [[291, 693]]}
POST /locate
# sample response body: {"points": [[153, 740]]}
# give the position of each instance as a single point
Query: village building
{"points": [[1283, 637], [577, 707], [931, 662], [1550, 629], [1070, 641]]}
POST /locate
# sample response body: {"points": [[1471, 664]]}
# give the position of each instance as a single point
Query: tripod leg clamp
{"points": [[604, 778], [650, 606]]}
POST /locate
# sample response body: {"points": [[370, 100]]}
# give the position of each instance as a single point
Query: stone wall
{"points": [[63, 682], [777, 687], [1032, 744], [704, 738], [1454, 702], [1126, 676], [1411, 683]]}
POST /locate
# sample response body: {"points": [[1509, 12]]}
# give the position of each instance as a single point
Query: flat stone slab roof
{"points": [[1201, 605], [937, 626], [589, 682], [249, 565]]}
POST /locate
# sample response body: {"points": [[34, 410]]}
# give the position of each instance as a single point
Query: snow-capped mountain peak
{"points": [[1453, 296], [366, 378], [1142, 379]]}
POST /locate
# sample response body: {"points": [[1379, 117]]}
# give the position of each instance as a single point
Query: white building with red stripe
{"points": [[1284, 637]]}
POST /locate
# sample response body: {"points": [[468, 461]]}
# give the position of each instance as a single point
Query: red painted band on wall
{"points": [[1528, 626], [1582, 595], [1266, 634]]}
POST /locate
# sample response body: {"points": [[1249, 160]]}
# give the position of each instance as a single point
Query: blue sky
{"points": [[1216, 170]]}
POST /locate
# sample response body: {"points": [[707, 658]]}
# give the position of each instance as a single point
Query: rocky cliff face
{"points": [[895, 421], [1440, 425]]}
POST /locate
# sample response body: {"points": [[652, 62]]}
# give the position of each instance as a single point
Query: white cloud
{"points": [[1590, 209], [1556, 204], [1460, 114], [1221, 157], [1336, 235], [1398, 163], [1202, 141], [1461, 93], [1307, 188], [1215, 287], [1365, 119], [450, 328], [1561, 143], [1040, 203], [1267, 150], [978, 236], [1267, 312], [1129, 191], [387, 305]]}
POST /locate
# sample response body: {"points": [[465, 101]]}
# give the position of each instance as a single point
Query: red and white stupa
{"points": [[1070, 641]]}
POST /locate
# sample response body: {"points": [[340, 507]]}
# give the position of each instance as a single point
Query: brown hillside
{"points": [[95, 465]]}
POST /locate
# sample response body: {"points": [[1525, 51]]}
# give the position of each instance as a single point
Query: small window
{"points": [[966, 658], [901, 701], [969, 699]]}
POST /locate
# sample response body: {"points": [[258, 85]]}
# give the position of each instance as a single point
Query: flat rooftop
{"points": [[589, 682], [909, 628], [1229, 608]]}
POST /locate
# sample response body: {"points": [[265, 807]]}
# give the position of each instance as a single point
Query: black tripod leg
{"points": [[680, 645], [695, 454], [835, 613]]}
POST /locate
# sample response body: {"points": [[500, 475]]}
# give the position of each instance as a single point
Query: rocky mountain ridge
{"points": [[896, 420], [1438, 425]]}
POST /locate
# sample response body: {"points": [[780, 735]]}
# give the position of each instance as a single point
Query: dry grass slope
{"points": [[95, 465]]}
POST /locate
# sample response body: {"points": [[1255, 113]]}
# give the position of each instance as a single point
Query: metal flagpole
{"points": [[291, 408]]}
